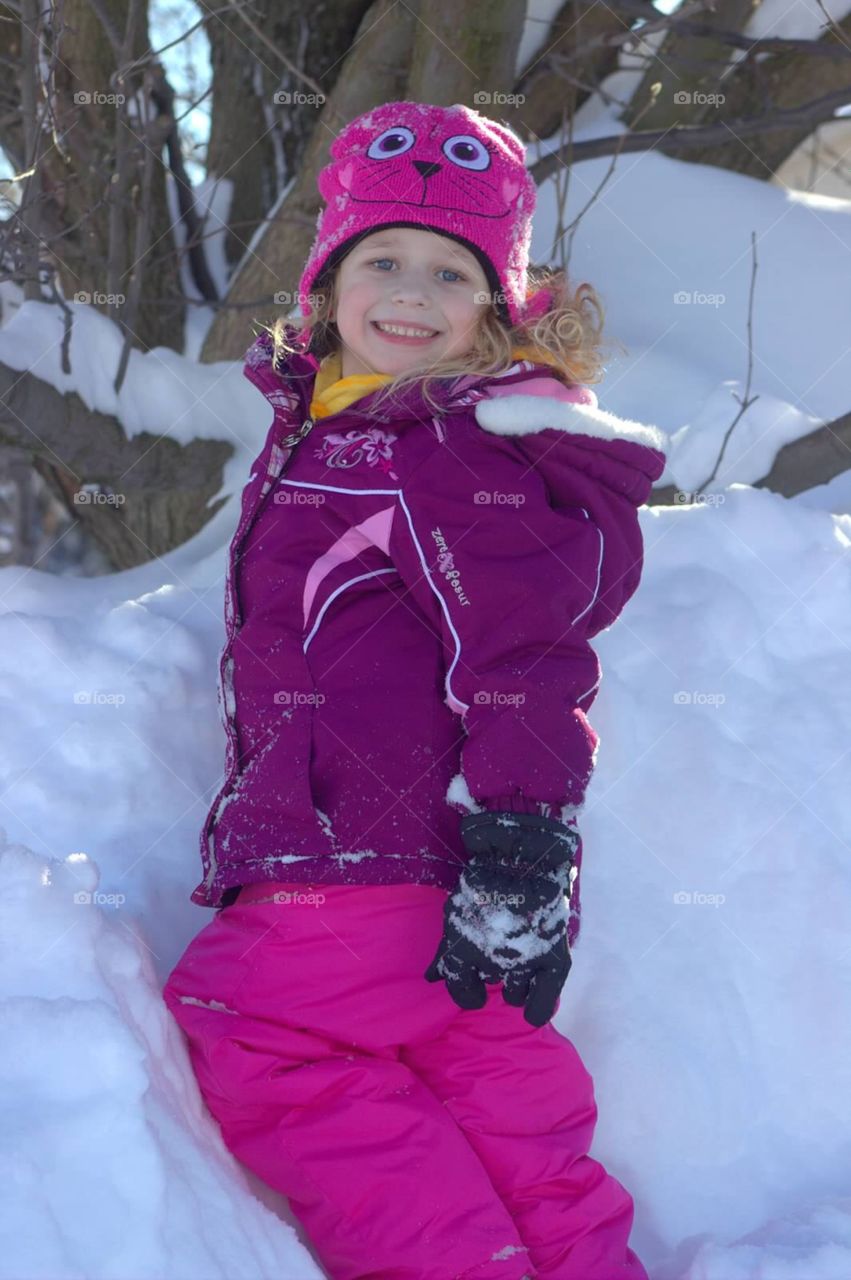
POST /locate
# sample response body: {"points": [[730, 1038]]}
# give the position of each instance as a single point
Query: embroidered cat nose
{"points": [[426, 167]]}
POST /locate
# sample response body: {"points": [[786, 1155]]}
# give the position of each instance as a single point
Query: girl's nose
{"points": [[409, 290]]}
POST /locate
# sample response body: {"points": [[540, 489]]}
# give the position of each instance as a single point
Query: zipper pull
{"points": [[293, 439]]}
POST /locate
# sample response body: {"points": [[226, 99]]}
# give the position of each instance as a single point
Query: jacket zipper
{"points": [[290, 440]]}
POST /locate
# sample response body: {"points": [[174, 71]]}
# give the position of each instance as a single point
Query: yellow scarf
{"points": [[331, 393]]}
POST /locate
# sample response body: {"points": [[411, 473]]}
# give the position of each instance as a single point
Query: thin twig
{"points": [[747, 401]]}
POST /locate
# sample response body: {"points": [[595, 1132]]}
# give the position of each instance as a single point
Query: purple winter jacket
{"points": [[408, 604]]}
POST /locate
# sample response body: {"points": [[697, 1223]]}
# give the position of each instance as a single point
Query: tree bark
{"points": [[757, 86], [811, 460], [802, 464], [375, 71], [686, 139], [570, 66], [80, 177], [687, 68], [467, 55], [262, 112], [149, 494], [782, 80], [453, 56]]}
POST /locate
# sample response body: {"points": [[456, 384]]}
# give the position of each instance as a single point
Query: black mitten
{"points": [[506, 921]]}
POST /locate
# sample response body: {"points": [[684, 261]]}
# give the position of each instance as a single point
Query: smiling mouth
{"points": [[403, 330]]}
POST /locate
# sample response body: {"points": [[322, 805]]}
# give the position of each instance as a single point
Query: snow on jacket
{"points": [[408, 605]]}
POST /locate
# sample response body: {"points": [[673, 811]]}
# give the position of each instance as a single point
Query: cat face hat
{"points": [[443, 169]]}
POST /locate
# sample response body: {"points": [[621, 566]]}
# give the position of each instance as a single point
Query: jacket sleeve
{"points": [[512, 581]]}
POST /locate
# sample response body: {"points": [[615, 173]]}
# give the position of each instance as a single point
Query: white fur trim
{"points": [[521, 415], [458, 793]]}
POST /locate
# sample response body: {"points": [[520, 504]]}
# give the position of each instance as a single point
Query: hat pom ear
{"points": [[538, 302]]}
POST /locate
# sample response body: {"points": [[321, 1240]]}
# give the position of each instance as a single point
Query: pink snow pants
{"points": [[414, 1140]]}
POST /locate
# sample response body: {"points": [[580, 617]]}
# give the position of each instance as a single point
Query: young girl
{"points": [[439, 521]]}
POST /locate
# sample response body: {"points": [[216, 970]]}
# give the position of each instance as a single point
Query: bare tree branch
{"points": [[684, 137]]}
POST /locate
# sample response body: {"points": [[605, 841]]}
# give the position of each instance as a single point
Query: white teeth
{"points": [[404, 331]]}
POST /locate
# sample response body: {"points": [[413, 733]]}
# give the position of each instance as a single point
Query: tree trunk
{"points": [[138, 498], [687, 69], [455, 53], [375, 71], [467, 54], [802, 464], [263, 112], [81, 176], [562, 74], [811, 460], [784, 80], [705, 81]]}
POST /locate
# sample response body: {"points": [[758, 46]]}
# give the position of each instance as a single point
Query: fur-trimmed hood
{"points": [[521, 413], [590, 460]]}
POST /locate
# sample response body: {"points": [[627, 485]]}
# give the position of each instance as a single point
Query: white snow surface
{"points": [[709, 991]]}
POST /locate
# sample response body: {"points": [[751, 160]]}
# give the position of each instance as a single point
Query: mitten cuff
{"points": [[516, 839], [517, 803]]}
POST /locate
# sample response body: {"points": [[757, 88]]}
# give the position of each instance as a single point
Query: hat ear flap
{"points": [[538, 302], [328, 182]]}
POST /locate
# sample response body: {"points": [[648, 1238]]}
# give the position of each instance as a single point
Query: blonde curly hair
{"points": [[567, 336]]}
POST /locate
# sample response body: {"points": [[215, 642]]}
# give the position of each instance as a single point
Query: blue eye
{"points": [[374, 262]]}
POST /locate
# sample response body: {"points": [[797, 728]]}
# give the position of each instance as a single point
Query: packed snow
{"points": [[709, 990]]}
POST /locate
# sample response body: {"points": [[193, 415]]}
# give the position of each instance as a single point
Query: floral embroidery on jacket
{"points": [[347, 449]]}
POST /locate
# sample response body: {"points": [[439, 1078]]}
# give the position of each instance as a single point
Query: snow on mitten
{"points": [[506, 920]]}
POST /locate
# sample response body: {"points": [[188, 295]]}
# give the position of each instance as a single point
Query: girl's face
{"points": [[413, 279]]}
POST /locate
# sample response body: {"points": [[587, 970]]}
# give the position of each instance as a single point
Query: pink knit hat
{"points": [[445, 169]]}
